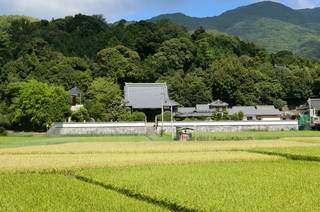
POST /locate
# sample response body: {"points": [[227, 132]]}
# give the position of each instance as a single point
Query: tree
{"points": [[38, 105], [105, 96], [45, 65], [234, 83], [5, 48], [120, 63], [188, 89], [174, 54]]}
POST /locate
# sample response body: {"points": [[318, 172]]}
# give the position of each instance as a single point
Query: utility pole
{"points": [[172, 135], [162, 110]]}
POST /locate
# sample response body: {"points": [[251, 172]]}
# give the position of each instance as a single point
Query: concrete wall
{"points": [[133, 128], [231, 126]]}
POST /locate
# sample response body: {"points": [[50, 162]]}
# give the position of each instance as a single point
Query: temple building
{"points": [[148, 98]]}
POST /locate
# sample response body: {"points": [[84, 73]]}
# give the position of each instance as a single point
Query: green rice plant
{"points": [[156, 147], [252, 135], [47, 192], [19, 141], [295, 153], [281, 185], [41, 162]]}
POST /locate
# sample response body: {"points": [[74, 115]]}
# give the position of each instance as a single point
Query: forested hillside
{"points": [[41, 61], [269, 24]]}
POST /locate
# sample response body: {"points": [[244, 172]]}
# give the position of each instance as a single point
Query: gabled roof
{"points": [[201, 108], [246, 110], [219, 103], [261, 110], [147, 95], [265, 107], [314, 103], [186, 110], [194, 112], [74, 91]]}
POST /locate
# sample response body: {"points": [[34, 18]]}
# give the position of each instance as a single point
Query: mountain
{"points": [[312, 14], [269, 24]]}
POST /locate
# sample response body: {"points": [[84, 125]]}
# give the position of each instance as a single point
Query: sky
{"points": [[114, 10]]}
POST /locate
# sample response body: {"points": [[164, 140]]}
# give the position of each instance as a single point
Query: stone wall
{"points": [[230, 126]]}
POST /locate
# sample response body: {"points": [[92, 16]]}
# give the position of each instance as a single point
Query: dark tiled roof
{"points": [[193, 112], [219, 103], [262, 110], [314, 103], [186, 110], [147, 95], [75, 91], [203, 109]]}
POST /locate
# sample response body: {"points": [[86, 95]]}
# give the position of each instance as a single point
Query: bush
{"points": [[138, 116], [4, 121], [80, 115], [135, 116], [237, 116], [216, 116], [166, 116], [3, 131], [191, 119]]}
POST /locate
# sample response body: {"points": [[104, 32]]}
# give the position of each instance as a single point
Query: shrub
{"points": [[191, 119], [3, 131], [135, 116], [80, 115], [216, 116], [166, 116], [138, 116]]}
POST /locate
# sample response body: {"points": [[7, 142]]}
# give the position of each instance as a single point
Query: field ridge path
{"points": [[132, 194]]}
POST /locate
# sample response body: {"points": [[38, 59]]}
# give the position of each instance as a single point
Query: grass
{"points": [[104, 173]]}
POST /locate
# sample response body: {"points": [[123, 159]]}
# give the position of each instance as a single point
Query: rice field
{"points": [[252, 135], [140, 173], [48, 192], [233, 186]]}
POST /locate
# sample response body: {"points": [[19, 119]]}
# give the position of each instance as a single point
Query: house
{"points": [[148, 98], [201, 110], [260, 112], [218, 106], [310, 111]]}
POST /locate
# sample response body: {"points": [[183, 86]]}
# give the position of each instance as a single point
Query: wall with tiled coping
{"points": [[141, 128]]}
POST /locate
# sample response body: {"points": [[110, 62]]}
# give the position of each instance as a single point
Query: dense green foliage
{"points": [[80, 115], [99, 58], [269, 24], [38, 105]]}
